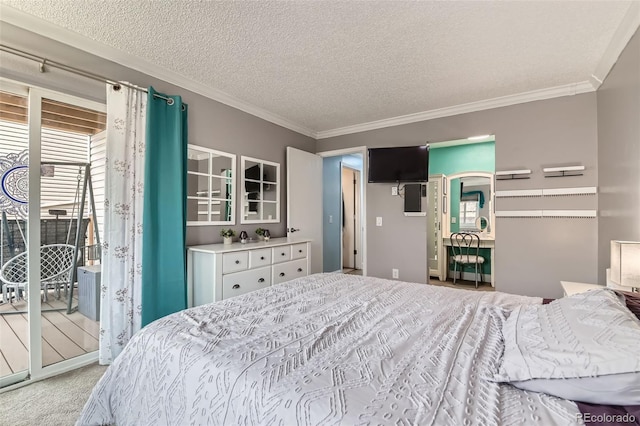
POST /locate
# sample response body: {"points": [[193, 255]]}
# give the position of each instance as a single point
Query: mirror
{"points": [[470, 202], [482, 223], [260, 191], [210, 186]]}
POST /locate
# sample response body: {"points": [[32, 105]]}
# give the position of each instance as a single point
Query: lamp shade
{"points": [[625, 263]]}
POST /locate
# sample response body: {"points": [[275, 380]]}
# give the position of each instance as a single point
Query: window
{"points": [[210, 187]]}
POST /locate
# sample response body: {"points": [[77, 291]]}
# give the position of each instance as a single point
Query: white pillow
{"points": [[587, 335]]}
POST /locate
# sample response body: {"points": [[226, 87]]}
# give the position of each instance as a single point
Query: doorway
{"points": [[461, 193], [351, 228], [344, 210]]}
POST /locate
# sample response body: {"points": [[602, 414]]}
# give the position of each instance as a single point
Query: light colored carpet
{"points": [[57, 401]]}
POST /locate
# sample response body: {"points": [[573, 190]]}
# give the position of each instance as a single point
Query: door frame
{"points": [[36, 371], [362, 150]]}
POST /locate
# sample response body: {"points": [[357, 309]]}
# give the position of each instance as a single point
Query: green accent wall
{"points": [[478, 157]]}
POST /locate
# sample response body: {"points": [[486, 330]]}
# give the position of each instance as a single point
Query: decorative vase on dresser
{"points": [[219, 271]]}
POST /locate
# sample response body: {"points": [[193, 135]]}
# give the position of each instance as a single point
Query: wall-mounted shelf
{"points": [[587, 190], [519, 213], [519, 193], [547, 213], [547, 192], [570, 213], [563, 171], [513, 174]]}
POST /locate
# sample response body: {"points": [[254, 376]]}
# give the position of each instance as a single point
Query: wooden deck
{"points": [[63, 336]]}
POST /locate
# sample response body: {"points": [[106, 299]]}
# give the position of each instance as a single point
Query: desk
{"points": [[485, 242]]}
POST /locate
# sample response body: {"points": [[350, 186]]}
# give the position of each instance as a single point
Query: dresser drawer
{"points": [[298, 251], [290, 270], [235, 261], [243, 282], [281, 254], [260, 257]]}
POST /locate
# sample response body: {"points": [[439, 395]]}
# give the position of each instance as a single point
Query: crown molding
{"points": [[520, 98], [627, 28], [47, 29]]}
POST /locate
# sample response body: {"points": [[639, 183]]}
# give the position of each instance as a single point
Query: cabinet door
{"points": [[246, 281]]}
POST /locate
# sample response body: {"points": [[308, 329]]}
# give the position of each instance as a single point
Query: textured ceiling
{"points": [[328, 64]]}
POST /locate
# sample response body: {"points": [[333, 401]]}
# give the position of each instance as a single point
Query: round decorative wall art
{"points": [[14, 183]]}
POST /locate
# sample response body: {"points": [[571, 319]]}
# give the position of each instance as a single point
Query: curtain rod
{"points": [[44, 62]]}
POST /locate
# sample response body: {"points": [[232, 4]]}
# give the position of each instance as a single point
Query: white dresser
{"points": [[218, 271]]}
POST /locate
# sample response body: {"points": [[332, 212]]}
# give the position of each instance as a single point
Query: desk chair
{"points": [[466, 251]]}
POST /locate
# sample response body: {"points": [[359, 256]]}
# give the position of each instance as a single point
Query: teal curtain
{"points": [[164, 284]]}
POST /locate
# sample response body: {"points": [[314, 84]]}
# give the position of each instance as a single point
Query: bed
{"points": [[325, 349]]}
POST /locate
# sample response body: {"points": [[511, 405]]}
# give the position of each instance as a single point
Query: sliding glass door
{"points": [[14, 199], [52, 305]]}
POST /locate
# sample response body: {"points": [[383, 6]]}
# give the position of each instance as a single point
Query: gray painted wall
{"points": [[211, 124], [619, 153], [532, 255]]}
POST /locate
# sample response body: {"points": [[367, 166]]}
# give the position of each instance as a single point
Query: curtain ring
{"points": [[116, 87], [170, 101], [184, 108], [42, 66]]}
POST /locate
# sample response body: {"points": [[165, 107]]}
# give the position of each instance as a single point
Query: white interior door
{"points": [[304, 201]]}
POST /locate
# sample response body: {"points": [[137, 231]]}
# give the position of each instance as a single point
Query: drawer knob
{"points": [[299, 269], [299, 251], [261, 280], [236, 286], [261, 257], [282, 274], [282, 254], [237, 261]]}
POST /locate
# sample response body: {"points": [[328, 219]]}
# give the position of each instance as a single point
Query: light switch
{"points": [[394, 190], [379, 221], [330, 218], [453, 219]]}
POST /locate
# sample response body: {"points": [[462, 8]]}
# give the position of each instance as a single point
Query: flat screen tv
{"points": [[399, 164]]}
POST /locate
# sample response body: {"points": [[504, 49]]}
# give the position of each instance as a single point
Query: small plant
{"points": [[227, 232], [260, 232]]}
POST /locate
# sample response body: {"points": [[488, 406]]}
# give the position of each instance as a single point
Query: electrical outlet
{"points": [[379, 221], [394, 190], [395, 273]]}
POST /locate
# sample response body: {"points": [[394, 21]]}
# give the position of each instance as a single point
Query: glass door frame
{"points": [[35, 370]]}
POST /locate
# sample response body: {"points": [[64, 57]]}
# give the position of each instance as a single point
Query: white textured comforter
{"points": [[324, 349]]}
